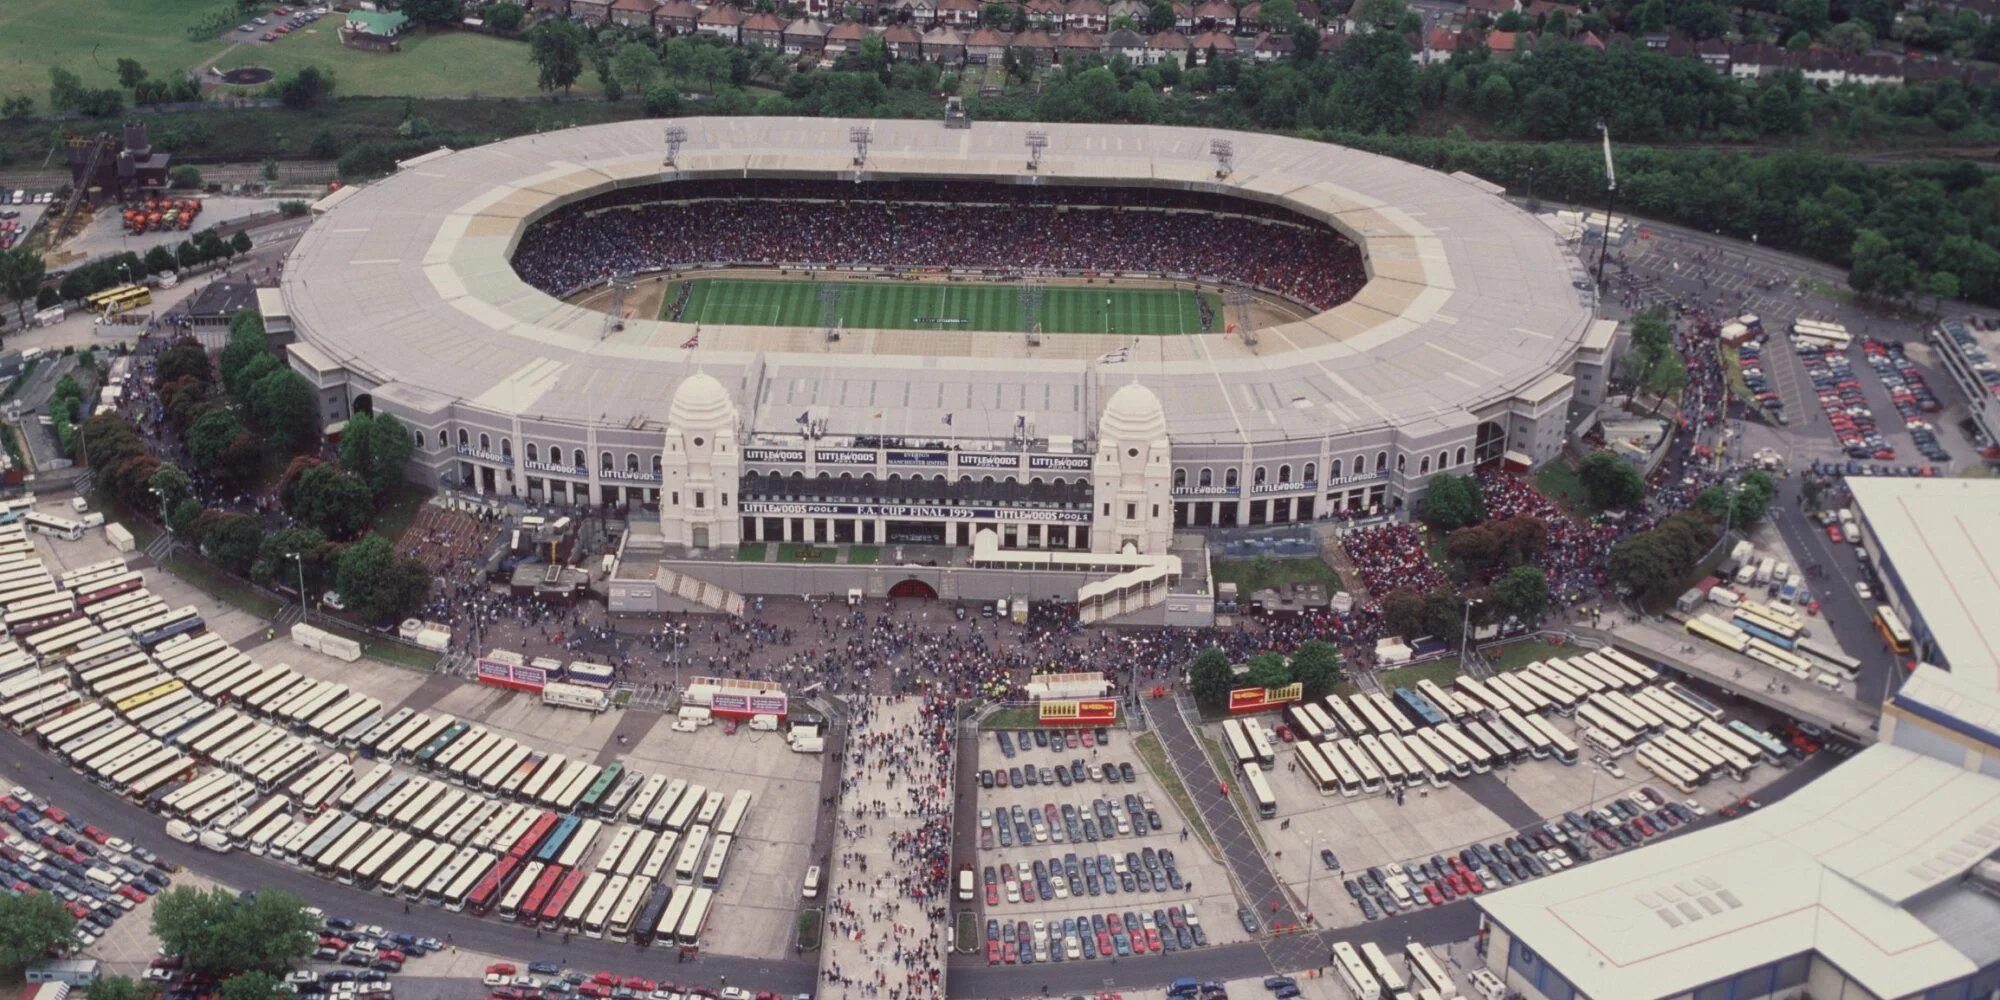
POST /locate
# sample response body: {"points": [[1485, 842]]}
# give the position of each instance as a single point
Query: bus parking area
{"points": [[1369, 805], [1069, 832], [420, 786]]}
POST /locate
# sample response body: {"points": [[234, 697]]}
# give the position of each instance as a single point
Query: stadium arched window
{"points": [[419, 436], [1011, 481], [1229, 478], [824, 476], [464, 439], [604, 461], [485, 443], [1382, 461], [1060, 482], [581, 462], [1333, 468], [1312, 472], [1442, 464], [1284, 473], [506, 447], [631, 461], [1402, 462], [1424, 467], [533, 455], [1461, 456], [656, 465], [1180, 479], [443, 442], [895, 477], [1257, 476], [1205, 477], [1034, 480]]}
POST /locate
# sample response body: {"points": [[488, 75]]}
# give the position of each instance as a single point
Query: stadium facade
{"points": [[1472, 338]]}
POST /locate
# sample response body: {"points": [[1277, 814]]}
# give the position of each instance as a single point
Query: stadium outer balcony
{"points": [[930, 506]]}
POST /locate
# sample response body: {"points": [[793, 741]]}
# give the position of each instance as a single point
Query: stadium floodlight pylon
{"points": [[861, 136], [676, 136], [1031, 309], [1224, 152], [829, 309], [1037, 141], [1236, 300]]}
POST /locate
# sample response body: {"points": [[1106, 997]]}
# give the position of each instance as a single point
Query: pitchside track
{"points": [[1140, 311]]}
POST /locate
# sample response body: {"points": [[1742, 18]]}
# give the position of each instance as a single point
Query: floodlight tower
{"points": [[676, 136], [1236, 303], [829, 310], [1038, 140], [860, 136], [614, 316], [1224, 151], [1031, 309]]}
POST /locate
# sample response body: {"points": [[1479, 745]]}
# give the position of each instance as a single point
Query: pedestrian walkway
{"points": [[1241, 852], [887, 922]]}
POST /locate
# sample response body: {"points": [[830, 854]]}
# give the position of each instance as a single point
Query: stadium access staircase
{"points": [[702, 593]]}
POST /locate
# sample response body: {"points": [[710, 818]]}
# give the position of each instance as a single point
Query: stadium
{"points": [[1044, 349]]}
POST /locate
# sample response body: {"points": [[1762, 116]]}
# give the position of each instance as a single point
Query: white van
{"points": [[181, 831], [812, 744], [810, 890], [764, 723], [215, 841], [79, 504], [93, 519], [966, 883]]}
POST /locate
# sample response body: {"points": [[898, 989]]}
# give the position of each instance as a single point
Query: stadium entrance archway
{"points": [[914, 588], [364, 403], [1491, 442]]}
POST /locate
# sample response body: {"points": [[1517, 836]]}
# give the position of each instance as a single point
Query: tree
{"points": [[160, 260], [504, 17], [556, 48], [1267, 670], [66, 91], [29, 926], [275, 559], [1210, 678], [251, 986], [1611, 482], [284, 406], [219, 932], [170, 485], [334, 501], [232, 541], [663, 101], [185, 176], [1879, 269], [379, 585], [130, 73], [1523, 592], [246, 344], [1452, 501], [240, 244], [1159, 17], [375, 447], [1403, 612], [306, 88], [1316, 665], [113, 988], [17, 108], [21, 274], [211, 437], [1943, 286], [432, 14], [635, 67], [183, 357]]}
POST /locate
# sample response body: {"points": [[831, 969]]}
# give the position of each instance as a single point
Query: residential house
{"points": [[1183, 17], [1713, 53], [1748, 62], [805, 37], [676, 17], [1128, 43], [1086, 15], [1045, 14], [1539, 9], [1167, 45], [1491, 8], [553, 8], [721, 21], [1079, 44], [1134, 11], [1215, 16], [633, 13], [1037, 45], [1875, 70], [958, 13], [903, 42], [986, 45], [1220, 43], [590, 11], [767, 30], [922, 13], [1589, 40], [1272, 46], [1440, 43], [944, 44], [845, 37]]}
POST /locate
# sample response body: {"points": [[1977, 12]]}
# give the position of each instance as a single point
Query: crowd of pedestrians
{"points": [[1392, 557], [581, 246], [889, 906], [1574, 553]]}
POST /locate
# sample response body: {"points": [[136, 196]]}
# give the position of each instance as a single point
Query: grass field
{"points": [[88, 39], [1148, 311], [444, 64]]}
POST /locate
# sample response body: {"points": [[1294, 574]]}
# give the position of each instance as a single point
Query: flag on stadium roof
{"points": [[805, 418], [1119, 356], [947, 420], [691, 343]]}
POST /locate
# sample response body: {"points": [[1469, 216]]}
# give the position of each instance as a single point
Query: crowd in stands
{"points": [[583, 245], [1392, 557]]}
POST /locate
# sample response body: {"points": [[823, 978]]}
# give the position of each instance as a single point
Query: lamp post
{"points": [[1465, 632], [298, 560]]}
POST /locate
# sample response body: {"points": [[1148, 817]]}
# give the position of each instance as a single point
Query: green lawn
{"points": [[1559, 482], [863, 555], [806, 552], [1515, 655], [89, 38], [1439, 672], [1256, 574], [910, 306], [398, 509], [441, 64], [229, 589], [750, 552]]}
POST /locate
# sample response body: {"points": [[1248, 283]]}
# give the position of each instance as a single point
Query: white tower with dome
{"points": [[701, 467], [1133, 475]]}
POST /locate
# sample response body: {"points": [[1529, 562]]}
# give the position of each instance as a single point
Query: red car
{"points": [[1434, 894], [992, 952], [598, 990], [95, 834], [1833, 534], [1475, 885], [1007, 953], [500, 969], [56, 814], [641, 984], [132, 894], [605, 979], [1153, 939]]}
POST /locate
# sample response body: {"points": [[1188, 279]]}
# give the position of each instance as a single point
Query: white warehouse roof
{"points": [[1943, 538]]}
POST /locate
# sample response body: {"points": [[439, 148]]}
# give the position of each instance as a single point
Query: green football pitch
{"points": [[1146, 311]]}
